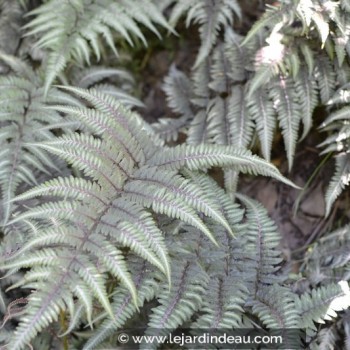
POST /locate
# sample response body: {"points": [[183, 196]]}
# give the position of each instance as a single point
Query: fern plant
{"points": [[209, 292], [25, 121], [270, 75], [129, 174], [76, 30], [109, 223]]}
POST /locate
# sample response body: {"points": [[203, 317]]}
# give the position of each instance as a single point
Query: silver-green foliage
{"points": [[129, 176], [25, 122], [290, 62], [337, 124], [72, 30]]}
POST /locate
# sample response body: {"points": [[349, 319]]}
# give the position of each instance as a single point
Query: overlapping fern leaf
{"points": [[271, 76], [83, 233], [213, 287], [329, 259], [324, 293], [116, 82], [321, 304], [10, 25], [337, 124], [72, 30], [25, 123]]}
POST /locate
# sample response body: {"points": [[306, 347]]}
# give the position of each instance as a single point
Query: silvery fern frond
{"points": [[72, 30], [211, 16]]}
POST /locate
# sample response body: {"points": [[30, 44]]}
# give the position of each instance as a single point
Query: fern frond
{"points": [[288, 114], [322, 303], [114, 81], [264, 73], [10, 27], [181, 302], [325, 77], [177, 88], [25, 120], [275, 307], [221, 71], [308, 55], [92, 220], [339, 180], [145, 224], [207, 156], [236, 55], [262, 246], [330, 254], [211, 16], [229, 123], [306, 91], [262, 112], [185, 190], [273, 16], [222, 305], [123, 309], [170, 128], [341, 114], [120, 95], [95, 74], [69, 187], [163, 202], [227, 208], [327, 338], [130, 236]]}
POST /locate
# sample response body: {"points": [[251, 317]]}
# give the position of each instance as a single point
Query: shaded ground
{"points": [[299, 214]]}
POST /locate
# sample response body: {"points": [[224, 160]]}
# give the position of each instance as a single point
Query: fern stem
{"points": [[63, 322]]}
